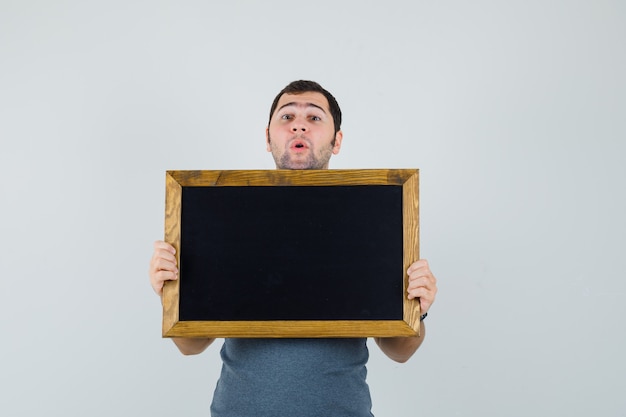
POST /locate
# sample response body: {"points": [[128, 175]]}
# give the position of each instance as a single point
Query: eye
{"points": [[286, 117], [316, 118]]}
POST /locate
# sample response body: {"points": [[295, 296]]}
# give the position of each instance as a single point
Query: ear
{"points": [[338, 139], [267, 139]]}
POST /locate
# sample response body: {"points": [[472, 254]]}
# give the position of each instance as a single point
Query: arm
{"points": [[400, 349], [422, 285], [163, 268], [192, 346]]}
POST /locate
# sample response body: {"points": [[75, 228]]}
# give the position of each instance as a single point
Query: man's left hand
{"points": [[422, 284]]}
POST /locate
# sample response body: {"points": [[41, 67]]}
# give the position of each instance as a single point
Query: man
{"points": [[298, 377]]}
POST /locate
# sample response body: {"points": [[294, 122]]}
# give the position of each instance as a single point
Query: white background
{"points": [[514, 112]]}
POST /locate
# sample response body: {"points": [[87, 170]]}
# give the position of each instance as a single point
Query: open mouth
{"points": [[299, 145]]}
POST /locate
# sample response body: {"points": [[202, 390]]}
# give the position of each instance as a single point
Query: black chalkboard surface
{"points": [[291, 253]]}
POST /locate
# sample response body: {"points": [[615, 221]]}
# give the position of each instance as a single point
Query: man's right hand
{"points": [[163, 268], [162, 265]]}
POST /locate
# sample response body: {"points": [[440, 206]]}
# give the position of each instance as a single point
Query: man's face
{"points": [[301, 133]]}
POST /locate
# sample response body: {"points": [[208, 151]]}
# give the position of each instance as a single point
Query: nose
{"points": [[298, 126]]}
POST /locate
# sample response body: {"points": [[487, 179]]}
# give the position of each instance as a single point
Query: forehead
{"points": [[304, 100]]}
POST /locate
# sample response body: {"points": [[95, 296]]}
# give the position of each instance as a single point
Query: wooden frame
{"points": [[404, 180]]}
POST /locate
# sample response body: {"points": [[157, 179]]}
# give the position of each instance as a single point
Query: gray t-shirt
{"points": [[293, 378]]}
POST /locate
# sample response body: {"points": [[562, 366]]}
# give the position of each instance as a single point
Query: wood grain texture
{"points": [[410, 214], [284, 329], [407, 178], [270, 178], [171, 289]]}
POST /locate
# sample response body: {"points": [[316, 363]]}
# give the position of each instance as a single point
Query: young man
{"points": [[298, 377]]}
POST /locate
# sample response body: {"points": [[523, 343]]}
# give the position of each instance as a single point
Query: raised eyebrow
{"points": [[293, 103]]}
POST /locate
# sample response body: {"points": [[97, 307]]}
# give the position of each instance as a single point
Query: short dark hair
{"points": [[304, 86]]}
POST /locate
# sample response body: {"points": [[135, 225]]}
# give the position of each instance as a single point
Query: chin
{"points": [[290, 164]]}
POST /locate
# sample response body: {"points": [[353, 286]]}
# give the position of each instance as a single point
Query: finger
{"points": [[161, 245], [422, 273], [425, 280], [162, 276], [417, 265], [425, 298], [162, 264], [162, 254], [158, 279], [427, 283], [165, 251], [419, 292], [421, 282]]}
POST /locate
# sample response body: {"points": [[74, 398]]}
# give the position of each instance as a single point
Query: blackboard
{"points": [[291, 253]]}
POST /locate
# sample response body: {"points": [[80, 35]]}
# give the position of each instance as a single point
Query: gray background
{"points": [[513, 111]]}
